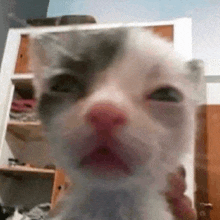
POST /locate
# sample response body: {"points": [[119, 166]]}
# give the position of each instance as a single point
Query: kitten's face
{"points": [[114, 102]]}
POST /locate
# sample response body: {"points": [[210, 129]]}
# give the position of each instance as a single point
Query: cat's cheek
{"points": [[171, 115]]}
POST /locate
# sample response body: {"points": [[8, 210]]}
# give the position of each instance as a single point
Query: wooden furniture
{"points": [[208, 163], [26, 141], [20, 135]]}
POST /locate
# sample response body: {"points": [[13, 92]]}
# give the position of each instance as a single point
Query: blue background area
{"points": [[205, 16]]}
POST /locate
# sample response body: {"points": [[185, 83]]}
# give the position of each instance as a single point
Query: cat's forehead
{"points": [[100, 48]]}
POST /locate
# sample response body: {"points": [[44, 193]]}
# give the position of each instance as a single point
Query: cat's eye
{"points": [[166, 94], [64, 83]]}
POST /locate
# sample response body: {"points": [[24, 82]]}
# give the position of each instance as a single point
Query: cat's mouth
{"points": [[103, 161]]}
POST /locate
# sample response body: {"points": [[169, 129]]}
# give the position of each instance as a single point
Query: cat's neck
{"points": [[90, 202], [135, 198], [100, 204], [111, 205]]}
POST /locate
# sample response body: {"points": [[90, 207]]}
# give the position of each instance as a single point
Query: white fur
{"points": [[150, 143]]}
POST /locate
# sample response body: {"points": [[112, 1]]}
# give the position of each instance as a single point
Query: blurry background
{"points": [[205, 15], [23, 9]]}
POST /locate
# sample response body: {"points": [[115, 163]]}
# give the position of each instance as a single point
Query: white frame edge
{"points": [[7, 88], [41, 30], [183, 37]]}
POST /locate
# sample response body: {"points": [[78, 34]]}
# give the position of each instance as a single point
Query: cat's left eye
{"points": [[166, 94], [63, 83]]}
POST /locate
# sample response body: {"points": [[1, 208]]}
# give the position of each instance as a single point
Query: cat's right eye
{"points": [[64, 83], [166, 94]]}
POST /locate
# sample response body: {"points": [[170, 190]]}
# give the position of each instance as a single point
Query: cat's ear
{"points": [[47, 50], [195, 71], [44, 50], [40, 59]]}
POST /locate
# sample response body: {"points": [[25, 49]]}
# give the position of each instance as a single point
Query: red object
{"points": [[23, 105]]}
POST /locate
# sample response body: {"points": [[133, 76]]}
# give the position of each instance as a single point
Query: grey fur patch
{"points": [[79, 55], [108, 205], [196, 68], [84, 51]]}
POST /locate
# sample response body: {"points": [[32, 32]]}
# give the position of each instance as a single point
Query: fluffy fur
{"points": [[139, 76]]}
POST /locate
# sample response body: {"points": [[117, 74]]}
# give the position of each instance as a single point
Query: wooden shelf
{"points": [[26, 131], [23, 82], [22, 62], [26, 172], [22, 77]]}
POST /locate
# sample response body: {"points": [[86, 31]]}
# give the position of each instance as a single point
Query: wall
{"points": [[23, 9]]}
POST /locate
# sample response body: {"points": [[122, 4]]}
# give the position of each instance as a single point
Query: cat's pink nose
{"points": [[106, 117]]}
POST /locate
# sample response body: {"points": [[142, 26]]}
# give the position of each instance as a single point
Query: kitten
{"points": [[119, 111]]}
